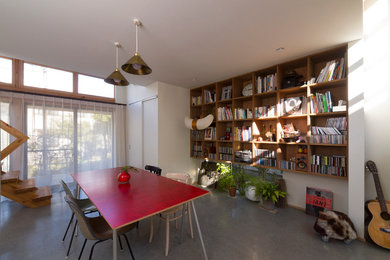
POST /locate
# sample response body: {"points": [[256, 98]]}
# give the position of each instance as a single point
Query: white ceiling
{"points": [[186, 42]]}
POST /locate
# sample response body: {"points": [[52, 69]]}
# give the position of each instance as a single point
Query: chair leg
{"points": [[182, 222], [82, 249], [66, 232], [167, 235], [120, 243], [174, 215], [151, 230], [128, 245], [93, 247], [71, 239], [190, 220]]}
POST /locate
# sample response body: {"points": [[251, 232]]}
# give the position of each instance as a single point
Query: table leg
{"points": [[114, 244], [200, 233]]}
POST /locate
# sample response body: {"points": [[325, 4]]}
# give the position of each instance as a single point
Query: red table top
{"points": [[145, 195]]}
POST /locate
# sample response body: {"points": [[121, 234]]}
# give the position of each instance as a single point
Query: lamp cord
{"points": [[136, 38], [116, 52]]}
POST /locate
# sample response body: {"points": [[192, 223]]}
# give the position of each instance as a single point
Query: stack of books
{"points": [[196, 101], [242, 113], [327, 135], [265, 111], [265, 157], [243, 133], [209, 96], [333, 165], [225, 113], [266, 84], [226, 93], [334, 69], [321, 103]]}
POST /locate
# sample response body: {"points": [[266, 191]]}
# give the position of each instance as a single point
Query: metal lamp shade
{"points": [[116, 78], [137, 66]]}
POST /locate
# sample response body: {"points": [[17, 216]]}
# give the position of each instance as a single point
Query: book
{"points": [[318, 200]]}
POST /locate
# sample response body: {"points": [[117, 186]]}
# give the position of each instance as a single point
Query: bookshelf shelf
{"points": [[271, 96], [341, 113], [334, 145]]}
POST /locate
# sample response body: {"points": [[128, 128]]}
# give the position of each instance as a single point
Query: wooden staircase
{"points": [[24, 191]]}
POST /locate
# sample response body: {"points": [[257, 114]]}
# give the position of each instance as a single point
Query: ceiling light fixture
{"points": [[136, 65], [116, 78]]}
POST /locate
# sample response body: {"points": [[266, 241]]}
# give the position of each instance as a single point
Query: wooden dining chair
{"points": [[172, 214], [96, 228], [85, 205], [153, 169]]}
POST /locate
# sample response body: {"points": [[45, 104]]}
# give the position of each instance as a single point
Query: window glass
{"points": [[4, 136], [95, 86], [44, 77], [5, 70]]}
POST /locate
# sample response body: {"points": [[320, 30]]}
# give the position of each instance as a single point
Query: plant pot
{"points": [[267, 204], [232, 191], [250, 194]]}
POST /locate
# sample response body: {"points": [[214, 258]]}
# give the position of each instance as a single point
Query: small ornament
{"points": [[124, 176]]}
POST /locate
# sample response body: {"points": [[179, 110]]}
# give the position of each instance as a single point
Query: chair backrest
{"points": [[69, 194], [85, 228], [181, 177], [153, 169]]}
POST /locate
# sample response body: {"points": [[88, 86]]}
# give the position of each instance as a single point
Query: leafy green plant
{"points": [[254, 181], [239, 178], [226, 179], [271, 191]]}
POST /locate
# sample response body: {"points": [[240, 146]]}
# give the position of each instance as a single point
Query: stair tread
{"points": [[11, 176], [25, 185], [41, 193]]}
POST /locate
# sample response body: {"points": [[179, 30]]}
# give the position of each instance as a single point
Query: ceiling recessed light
{"points": [[280, 49]]}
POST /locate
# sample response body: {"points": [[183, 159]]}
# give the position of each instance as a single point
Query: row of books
{"points": [[267, 83], [321, 103], [265, 153], [197, 150], [212, 156], [334, 69], [243, 113], [243, 133], [289, 165], [331, 170], [338, 122], [334, 160], [328, 139], [324, 130], [265, 111], [209, 96], [196, 101], [226, 93], [196, 135], [293, 106], [265, 161], [226, 157], [224, 113], [210, 133], [225, 149]]}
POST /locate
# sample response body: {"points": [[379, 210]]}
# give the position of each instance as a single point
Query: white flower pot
{"points": [[250, 193]]}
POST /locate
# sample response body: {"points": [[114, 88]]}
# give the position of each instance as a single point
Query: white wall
{"points": [[376, 25], [173, 136], [296, 187]]}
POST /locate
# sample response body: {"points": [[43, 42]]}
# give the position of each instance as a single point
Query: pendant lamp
{"points": [[136, 65], [116, 78]]}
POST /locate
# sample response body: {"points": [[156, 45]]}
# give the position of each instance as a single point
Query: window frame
{"points": [[18, 84]]}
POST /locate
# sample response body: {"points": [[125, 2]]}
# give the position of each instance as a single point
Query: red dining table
{"points": [[145, 195]]}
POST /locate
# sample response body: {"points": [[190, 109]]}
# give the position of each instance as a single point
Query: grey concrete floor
{"points": [[233, 228]]}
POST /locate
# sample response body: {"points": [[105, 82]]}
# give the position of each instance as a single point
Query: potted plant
{"points": [[252, 184], [226, 181], [239, 177], [270, 194]]}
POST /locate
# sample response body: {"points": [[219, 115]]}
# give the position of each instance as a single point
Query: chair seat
{"points": [[103, 231], [85, 205]]}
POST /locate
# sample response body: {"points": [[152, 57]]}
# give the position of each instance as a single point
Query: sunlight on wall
{"points": [[376, 49]]}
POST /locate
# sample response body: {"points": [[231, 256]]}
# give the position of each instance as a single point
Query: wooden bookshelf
{"points": [[254, 102]]}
